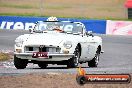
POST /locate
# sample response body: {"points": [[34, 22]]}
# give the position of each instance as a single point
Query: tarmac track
{"points": [[116, 59]]}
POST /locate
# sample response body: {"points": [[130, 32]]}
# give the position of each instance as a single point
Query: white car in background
{"points": [[57, 42]]}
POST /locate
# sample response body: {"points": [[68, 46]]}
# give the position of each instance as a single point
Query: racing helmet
{"points": [[52, 19]]}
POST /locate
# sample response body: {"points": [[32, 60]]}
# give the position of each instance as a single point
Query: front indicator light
{"points": [[18, 50], [65, 51]]}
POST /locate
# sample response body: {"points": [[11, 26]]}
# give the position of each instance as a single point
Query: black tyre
{"points": [[42, 65], [94, 61], [81, 80], [74, 61], [20, 63]]}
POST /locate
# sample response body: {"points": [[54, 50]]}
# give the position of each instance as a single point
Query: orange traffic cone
{"points": [[81, 71]]}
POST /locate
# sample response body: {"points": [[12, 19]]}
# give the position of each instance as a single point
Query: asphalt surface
{"points": [[117, 57]]}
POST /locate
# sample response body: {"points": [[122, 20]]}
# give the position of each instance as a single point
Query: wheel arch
{"points": [[80, 49], [99, 49]]}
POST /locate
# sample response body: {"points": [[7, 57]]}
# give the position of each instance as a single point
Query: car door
{"points": [[88, 48]]}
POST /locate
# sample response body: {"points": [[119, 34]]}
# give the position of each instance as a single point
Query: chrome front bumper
{"points": [[51, 56]]}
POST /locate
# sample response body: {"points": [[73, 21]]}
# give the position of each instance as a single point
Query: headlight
{"points": [[19, 42], [67, 44]]}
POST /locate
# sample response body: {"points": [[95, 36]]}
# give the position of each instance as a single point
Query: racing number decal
{"points": [[34, 54], [39, 54]]}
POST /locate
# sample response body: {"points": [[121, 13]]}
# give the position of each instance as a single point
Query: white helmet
{"points": [[52, 19]]}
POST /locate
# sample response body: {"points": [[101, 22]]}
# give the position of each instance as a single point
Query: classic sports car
{"points": [[57, 42]]}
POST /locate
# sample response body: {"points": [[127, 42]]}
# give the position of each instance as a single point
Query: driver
{"points": [[55, 27]]}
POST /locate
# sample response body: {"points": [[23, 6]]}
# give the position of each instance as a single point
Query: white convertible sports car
{"points": [[57, 42]]}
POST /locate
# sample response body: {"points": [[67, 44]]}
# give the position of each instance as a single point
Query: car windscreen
{"points": [[64, 26]]}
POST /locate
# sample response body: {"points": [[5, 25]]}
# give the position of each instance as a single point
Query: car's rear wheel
{"points": [[74, 61], [20, 63], [42, 65], [94, 62]]}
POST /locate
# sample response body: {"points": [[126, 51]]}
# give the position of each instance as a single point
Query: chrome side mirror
{"points": [[90, 33], [31, 30]]}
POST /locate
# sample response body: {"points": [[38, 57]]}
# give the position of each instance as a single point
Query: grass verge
{"points": [[38, 15], [86, 9], [4, 56]]}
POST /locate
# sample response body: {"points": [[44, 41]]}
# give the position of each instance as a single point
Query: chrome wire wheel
{"points": [[94, 62], [96, 59], [74, 61], [76, 57]]}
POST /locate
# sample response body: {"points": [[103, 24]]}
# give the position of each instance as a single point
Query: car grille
{"points": [[29, 49]]}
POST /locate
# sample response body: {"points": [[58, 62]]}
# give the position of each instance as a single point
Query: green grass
{"points": [[17, 6], [18, 14], [59, 7], [38, 15], [56, 7], [107, 9], [114, 9], [101, 9]]}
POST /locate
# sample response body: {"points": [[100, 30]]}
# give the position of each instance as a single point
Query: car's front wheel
{"points": [[74, 61], [20, 63]]}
